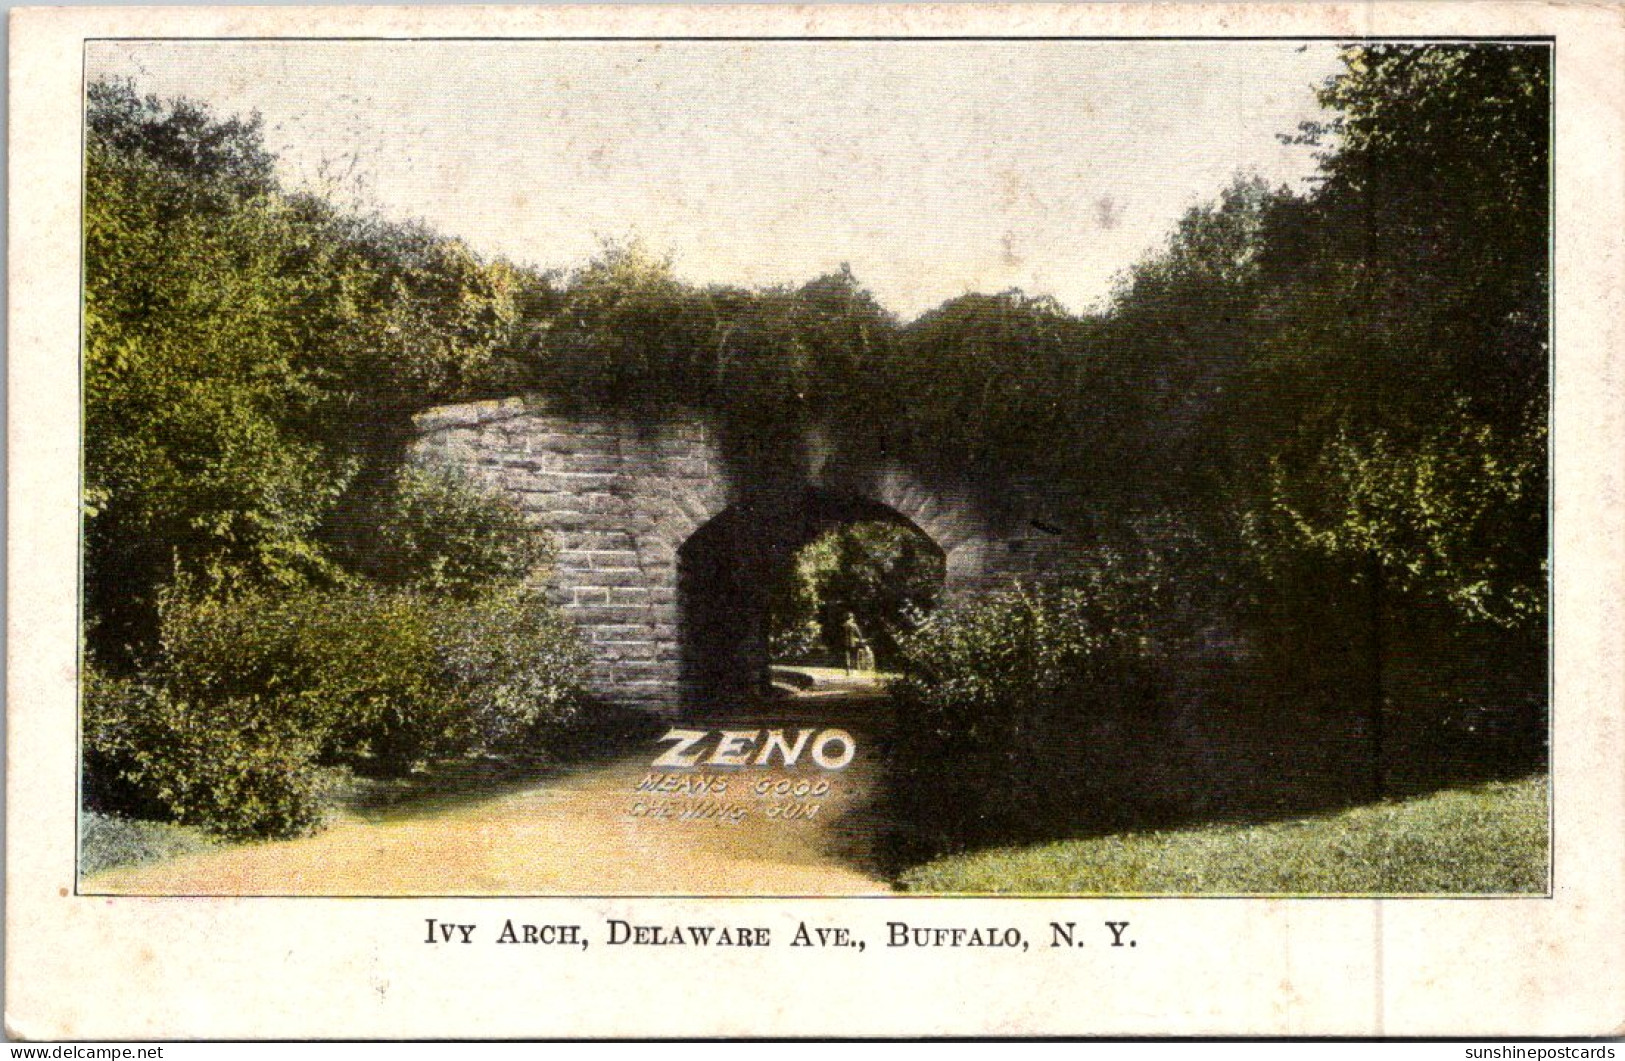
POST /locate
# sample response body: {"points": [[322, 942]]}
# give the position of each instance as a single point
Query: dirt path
{"points": [[589, 832]]}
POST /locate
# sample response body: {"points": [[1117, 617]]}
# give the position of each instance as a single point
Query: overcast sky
{"points": [[933, 168]]}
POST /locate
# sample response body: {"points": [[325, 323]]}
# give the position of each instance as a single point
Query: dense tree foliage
{"points": [[1343, 396], [624, 332], [266, 592], [992, 381], [1179, 333], [250, 356], [1399, 389]]}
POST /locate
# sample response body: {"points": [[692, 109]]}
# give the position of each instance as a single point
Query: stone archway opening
{"points": [[743, 582], [621, 499]]}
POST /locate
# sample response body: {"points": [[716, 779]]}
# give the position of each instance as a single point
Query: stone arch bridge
{"points": [[665, 554]]}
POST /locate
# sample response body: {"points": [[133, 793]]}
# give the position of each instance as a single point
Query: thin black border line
{"points": [[1093, 897], [79, 495], [1551, 473], [803, 39], [1550, 40]]}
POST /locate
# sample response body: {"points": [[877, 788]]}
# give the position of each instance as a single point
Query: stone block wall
{"points": [[618, 498]]}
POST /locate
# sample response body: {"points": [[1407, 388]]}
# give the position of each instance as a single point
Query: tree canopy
{"points": [[250, 355], [1400, 383]]}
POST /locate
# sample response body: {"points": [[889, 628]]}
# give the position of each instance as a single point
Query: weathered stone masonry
{"points": [[620, 499]]}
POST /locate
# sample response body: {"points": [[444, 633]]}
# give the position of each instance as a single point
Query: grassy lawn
{"points": [[1488, 839]]}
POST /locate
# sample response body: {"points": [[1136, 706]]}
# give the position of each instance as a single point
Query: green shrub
{"points": [[396, 679], [385, 680], [111, 708], [253, 693], [795, 639], [352, 670], [368, 681], [234, 766], [515, 666], [441, 533], [1021, 710]]}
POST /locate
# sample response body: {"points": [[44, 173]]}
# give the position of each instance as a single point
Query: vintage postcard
{"points": [[1109, 515]]}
